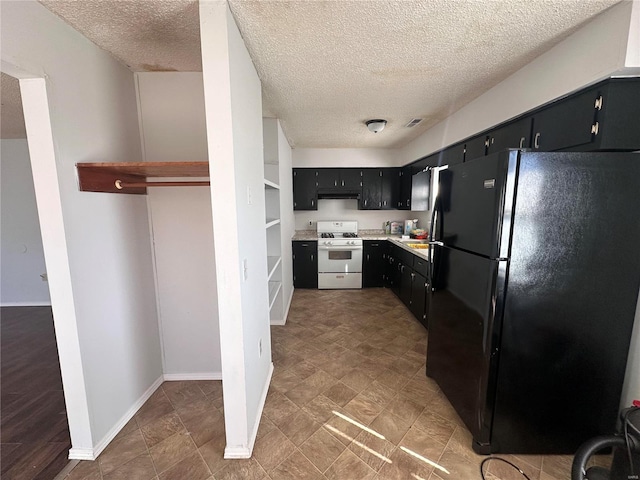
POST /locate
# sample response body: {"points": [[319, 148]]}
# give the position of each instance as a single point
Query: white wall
{"points": [[335, 210], [233, 109], [346, 157], [172, 125], [97, 247], [21, 254], [592, 53]]}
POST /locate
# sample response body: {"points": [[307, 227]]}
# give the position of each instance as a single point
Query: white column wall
{"points": [[234, 133], [21, 254], [172, 126], [96, 245], [287, 221]]}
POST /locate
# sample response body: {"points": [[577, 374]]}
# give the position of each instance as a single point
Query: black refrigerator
{"points": [[535, 274]]}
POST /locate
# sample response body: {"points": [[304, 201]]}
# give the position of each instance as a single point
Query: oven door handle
{"points": [[350, 248]]}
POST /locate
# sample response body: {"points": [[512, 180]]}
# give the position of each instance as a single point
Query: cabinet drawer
{"points": [[420, 265]]}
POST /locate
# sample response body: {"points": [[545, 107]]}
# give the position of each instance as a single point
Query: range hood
{"points": [[337, 194]]}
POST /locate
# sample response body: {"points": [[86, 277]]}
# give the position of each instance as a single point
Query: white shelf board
{"points": [[272, 264], [270, 184], [274, 288], [271, 223]]}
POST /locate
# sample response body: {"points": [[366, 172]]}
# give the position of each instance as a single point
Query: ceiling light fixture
{"points": [[376, 125]]}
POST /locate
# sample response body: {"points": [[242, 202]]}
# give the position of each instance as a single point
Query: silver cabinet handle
{"points": [[413, 275], [312, 202], [365, 202], [536, 141], [594, 128], [367, 257], [379, 204], [335, 183], [522, 139], [374, 244], [304, 245], [343, 183], [312, 257]]}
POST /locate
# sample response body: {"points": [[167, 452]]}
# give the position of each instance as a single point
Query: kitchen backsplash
{"points": [[348, 210]]}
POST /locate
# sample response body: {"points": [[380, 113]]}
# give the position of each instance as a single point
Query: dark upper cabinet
{"points": [[513, 135], [452, 155], [380, 189], [328, 177], [350, 178], [305, 189], [305, 264], [566, 124], [617, 125], [339, 178], [475, 147], [404, 195], [373, 264], [390, 188], [371, 198]]}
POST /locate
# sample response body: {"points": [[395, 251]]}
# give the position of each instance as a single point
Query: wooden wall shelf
{"points": [[102, 177]]}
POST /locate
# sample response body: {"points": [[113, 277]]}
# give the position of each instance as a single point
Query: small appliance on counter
{"points": [[393, 228]]}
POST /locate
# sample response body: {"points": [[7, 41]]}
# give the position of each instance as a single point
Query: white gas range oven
{"points": [[339, 255]]}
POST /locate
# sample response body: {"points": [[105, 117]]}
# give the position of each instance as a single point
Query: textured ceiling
{"points": [[327, 66], [11, 117]]}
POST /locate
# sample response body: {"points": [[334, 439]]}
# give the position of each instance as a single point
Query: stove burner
{"points": [[326, 235], [350, 235]]}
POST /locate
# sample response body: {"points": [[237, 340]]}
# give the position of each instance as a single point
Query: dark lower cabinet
{"points": [[305, 264], [418, 306], [373, 263], [406, 273]]}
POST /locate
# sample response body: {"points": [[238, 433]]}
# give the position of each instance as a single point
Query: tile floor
{"points": [[349, 400]]}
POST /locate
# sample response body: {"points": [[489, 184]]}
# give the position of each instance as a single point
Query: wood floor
{"points": [[34, 432]]}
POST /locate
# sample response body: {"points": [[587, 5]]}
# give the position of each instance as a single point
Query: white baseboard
{"points": [[174, 377], [82, 454], [25, 304], [231, 453], [286, 312], [93, 453], [245, 452]]}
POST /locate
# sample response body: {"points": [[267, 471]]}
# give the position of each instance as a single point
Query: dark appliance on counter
{"points": [[535, 274]]}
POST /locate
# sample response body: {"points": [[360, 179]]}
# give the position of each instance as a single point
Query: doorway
{"points": [[34, 430]]}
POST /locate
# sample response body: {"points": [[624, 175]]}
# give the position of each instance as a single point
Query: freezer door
{"points": [[475, 203], [464, 324]]}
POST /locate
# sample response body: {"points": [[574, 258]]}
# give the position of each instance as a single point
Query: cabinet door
{"points": [[514, 135], [566, 124], [304, 189], [418, 297], [305, 264], [390, 188], [404, 200], [350, 178], [373, 267], [328, 177], [452, 155], [371, 198], [475, 147], [406, 273]]}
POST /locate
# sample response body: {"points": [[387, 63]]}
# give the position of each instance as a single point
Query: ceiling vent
{"points": [[413, 122]]}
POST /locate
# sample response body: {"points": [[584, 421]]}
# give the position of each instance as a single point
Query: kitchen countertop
{"points": [[308, 235]]}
